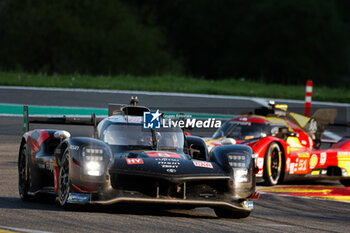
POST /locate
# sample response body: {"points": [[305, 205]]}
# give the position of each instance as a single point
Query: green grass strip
{"points": [[169, 83], [50, 110]]}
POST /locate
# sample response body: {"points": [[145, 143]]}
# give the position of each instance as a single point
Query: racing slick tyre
{"points": [[224, 213], [273, 164], [346, 183], [64, 181], [23, 174]]}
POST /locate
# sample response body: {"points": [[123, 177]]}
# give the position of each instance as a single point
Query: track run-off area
{"points": [[292, 207]]}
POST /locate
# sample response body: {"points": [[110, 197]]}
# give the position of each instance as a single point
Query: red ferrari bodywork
{"points": [[296, 152]]}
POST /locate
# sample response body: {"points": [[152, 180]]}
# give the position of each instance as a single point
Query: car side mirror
{"points": [[62, 134], [228, 141], [197, 148], [292, 134]]}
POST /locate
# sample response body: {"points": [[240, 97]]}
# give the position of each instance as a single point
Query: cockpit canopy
{"points": [[243, 130], [127, 134]]}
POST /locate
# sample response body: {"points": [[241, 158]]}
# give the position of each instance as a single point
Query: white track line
{"points": [[51, 106], [11, 115], [331, 135], [22, 230]]}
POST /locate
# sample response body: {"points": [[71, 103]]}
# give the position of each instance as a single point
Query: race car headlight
{"points": [[93, 168], [92, 154], [236, 161], [241, 175], [344, 172], [93, 165], [93, 161], [236, 157]]}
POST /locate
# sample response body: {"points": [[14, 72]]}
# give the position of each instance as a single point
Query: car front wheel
{"points": [[64, 180], [23, 174], [273, 164]]}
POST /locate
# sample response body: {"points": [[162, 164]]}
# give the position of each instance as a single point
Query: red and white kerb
{"points": [[308, 98]]}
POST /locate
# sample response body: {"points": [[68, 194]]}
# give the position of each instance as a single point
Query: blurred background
{"points": [[271, 41]]}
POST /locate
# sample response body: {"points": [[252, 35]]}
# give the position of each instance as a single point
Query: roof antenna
{"points": [[272, 104], [134, 100]]}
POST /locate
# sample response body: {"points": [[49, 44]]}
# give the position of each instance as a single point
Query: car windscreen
{"points": [[170, 138], [242, 130], [136, 135]]}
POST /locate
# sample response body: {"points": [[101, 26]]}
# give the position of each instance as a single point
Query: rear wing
{"points": [[93, 120], [314, 126], [64, 120]]}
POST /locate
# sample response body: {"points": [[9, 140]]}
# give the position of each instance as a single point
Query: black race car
{"points": [[125, 162]]}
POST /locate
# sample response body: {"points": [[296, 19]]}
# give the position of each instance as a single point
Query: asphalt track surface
{"points": [[273, 213]]}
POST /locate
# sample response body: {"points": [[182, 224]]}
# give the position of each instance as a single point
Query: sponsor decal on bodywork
{"points": [[134, 161], [248, 204], [313, 161], [163, 155], [323, 158], [344, 161], [315, 172], [343, 153], [302, 165], [74, 147], [130, 119], [288, 164], [304, 155], [78, 198], [203, 164], [168, 163], [260, 162], [291, 168], [171, 170]]}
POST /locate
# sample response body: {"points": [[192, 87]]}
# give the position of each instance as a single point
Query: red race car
{"points": [[288, 145]]}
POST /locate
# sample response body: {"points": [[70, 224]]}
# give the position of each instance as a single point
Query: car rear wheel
{"points": [[23, 174], [224, 213], [346, 183], [64, 180], [273, 164]]}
